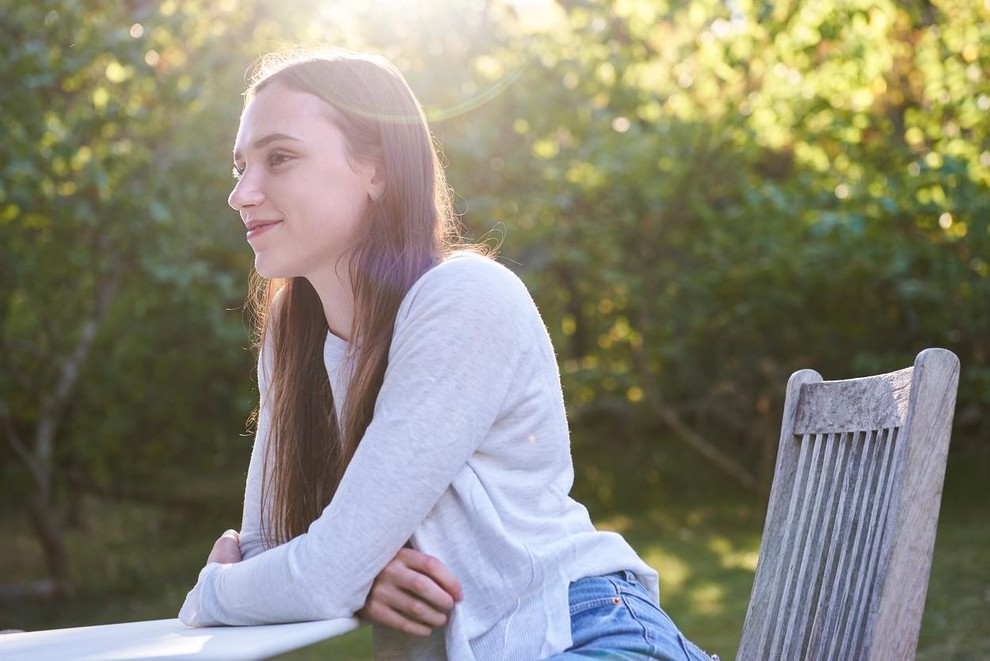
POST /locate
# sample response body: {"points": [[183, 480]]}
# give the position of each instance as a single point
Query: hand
{"points": [[227, 549], [413, 594]]}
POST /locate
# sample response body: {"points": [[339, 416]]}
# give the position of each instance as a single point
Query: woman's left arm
{"points": [[413, 594], [457, 344]]}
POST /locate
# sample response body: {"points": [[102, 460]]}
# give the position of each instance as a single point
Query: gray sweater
{"points": [[467, 458]]}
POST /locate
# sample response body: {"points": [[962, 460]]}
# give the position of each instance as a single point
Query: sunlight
{"points": [[407, 31], [538, 15], [674, 572], [708, 599], [733, 557]]}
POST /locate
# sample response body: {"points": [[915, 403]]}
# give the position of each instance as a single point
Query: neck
{"points": [[337, 298]]}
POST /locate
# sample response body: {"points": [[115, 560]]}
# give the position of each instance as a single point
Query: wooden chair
{"points": [[847, 545]]}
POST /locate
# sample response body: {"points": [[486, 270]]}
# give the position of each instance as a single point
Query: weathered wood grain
{"points": [[850, 527]]}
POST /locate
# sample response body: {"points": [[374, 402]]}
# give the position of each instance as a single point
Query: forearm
{"points": [[328, 571], [252, 535], [261, 590]]}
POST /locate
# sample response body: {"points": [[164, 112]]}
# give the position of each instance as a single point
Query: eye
{"points": [[236, 172], [277, 158]]}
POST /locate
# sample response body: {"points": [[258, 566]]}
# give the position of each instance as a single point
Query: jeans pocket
{"points": [[592, 592], [614, 616], [592, 604]]}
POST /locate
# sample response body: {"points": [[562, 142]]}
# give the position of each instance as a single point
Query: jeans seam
{"points": [[597, 601], [689, 648], [592, 603], [624, 593]]}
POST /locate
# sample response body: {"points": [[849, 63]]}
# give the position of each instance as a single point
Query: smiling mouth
{"points": [[256, 228]]}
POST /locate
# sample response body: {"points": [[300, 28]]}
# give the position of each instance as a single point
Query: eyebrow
{"points": [[260, 143]]}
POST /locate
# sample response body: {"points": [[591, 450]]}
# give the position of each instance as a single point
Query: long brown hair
{"points": [[407, 231]]}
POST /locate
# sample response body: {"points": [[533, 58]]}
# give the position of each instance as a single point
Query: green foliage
{"points": [[703, 197], [107, 215], [706, 197]]}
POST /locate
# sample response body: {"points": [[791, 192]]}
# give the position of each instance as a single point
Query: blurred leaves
{"points": [[702, 197]]}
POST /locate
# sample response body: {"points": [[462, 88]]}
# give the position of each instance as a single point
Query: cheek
{"points": [[348, 202]]}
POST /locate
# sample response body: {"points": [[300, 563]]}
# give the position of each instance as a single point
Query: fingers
{"points": [[436, 572], [380, 614], [422, 601], [227, 549], [399, 610], [413, 594], [418, 575]]}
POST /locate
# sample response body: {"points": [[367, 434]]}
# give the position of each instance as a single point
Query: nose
{"points": [[246, 193]]}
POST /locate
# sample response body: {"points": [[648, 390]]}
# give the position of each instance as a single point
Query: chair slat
{"points": [[799, 546], [872, 519], [848, 523], [771, 641], [815, 489], [818, 643], [852, 544]]}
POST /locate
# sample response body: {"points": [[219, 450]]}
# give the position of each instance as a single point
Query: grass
{"points": [[135, 562], [956, 625]]}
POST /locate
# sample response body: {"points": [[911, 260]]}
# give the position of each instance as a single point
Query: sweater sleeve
{"points": [[456, 345], [252, 539]]}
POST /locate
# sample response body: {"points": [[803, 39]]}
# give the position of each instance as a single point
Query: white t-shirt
{"points": [[467, 457]]}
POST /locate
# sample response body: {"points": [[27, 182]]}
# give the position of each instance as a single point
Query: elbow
{"points": [[189, 613], [327, 606], [327, 610]]}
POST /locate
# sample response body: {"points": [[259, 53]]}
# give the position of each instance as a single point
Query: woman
{"points": [[412, 449]]}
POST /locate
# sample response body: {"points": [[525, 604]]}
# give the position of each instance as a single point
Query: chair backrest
{"points": [[846, 550]]}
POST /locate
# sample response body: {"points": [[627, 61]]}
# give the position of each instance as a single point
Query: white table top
{"points": [[167, 639]]}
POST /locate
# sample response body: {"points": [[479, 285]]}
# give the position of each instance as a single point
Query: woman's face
{"points": [[298, 193]]}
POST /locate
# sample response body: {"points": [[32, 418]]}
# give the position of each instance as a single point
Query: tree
{"points": [[93, 215], [704, 190]]}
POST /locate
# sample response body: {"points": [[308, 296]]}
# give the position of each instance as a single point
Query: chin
{"points": [[268, 270]]}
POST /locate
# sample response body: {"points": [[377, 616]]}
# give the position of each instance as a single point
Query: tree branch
{"points": [[53, 405], [702, 446], [19, 446], [673, 420]]}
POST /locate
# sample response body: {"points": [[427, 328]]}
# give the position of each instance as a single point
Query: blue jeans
{"points": [[614, 617]]}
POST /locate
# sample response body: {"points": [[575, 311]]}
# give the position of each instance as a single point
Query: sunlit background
{"points": [[702, 197]]}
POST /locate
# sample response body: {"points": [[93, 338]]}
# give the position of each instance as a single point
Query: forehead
{"points": [[277, 109]]}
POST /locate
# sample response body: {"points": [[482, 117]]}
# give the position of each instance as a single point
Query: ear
{"points": [[376, 191]]}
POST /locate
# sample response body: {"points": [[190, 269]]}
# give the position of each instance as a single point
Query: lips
{"points": [[256, 227]]}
